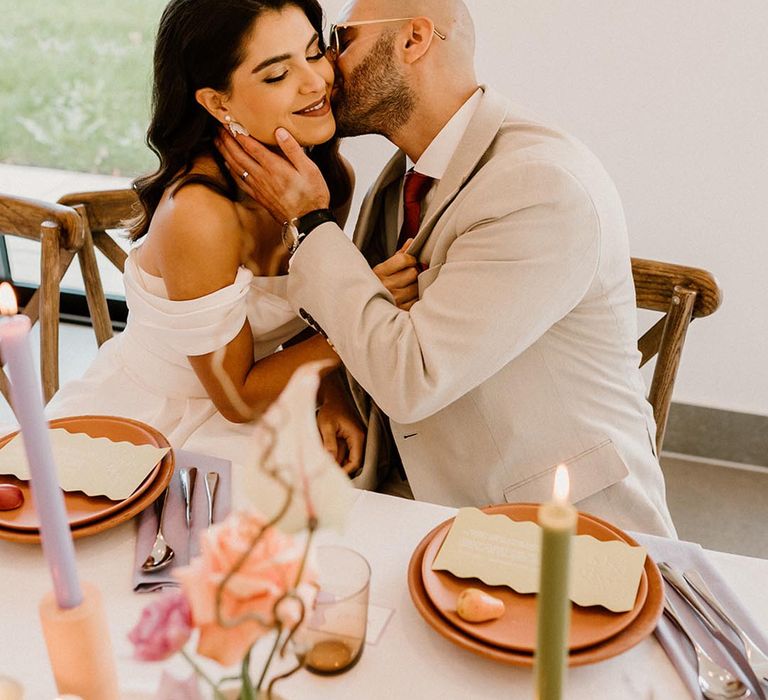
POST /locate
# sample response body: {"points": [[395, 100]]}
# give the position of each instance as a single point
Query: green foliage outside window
{"points": [[75, 82]]}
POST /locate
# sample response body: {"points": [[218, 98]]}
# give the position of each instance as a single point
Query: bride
{"points": [[206, 286]]}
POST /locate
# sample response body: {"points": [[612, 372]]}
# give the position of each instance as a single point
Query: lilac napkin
{"points": [[183, 541], [687, 555]]}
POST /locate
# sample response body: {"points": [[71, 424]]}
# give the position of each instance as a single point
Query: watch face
{"points": [[290, 235]]}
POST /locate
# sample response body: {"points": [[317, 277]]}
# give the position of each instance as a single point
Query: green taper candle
{"points": [[553, 607]]}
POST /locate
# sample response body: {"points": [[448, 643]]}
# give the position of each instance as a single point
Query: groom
{"points": [[519, 352]]}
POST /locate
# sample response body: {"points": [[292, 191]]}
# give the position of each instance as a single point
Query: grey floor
{"points": [[719, 506], [722, 507]]}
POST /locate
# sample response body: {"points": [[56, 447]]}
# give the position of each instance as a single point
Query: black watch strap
{"points": [[310, 221]]}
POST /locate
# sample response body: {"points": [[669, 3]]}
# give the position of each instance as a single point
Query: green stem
{"points": [[270, 657], [228, 678], [202, 674], [230, 623], [248, 692], [311, 527]]}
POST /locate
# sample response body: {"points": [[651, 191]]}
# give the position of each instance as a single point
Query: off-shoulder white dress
{"points": [[144, 372]]}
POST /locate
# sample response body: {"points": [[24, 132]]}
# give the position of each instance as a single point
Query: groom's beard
{"points": [[375, 99]]}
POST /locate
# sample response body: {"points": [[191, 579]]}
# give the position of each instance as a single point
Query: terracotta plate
{"points": [[82, 509], [640, 628], [516, 629], [90, 515]]}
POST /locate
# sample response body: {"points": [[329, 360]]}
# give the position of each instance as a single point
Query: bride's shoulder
{"points": [[196, 216], [195, 239]]}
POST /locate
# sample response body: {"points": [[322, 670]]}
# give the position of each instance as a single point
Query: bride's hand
{"points": [[399, 275], [342, 434]]}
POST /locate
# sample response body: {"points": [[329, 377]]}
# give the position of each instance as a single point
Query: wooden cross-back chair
{"points": [[59, 230], [104, 211], [681, 294]]}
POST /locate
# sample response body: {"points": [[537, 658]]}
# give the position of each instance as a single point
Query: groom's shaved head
{"points": [[401, 79]]}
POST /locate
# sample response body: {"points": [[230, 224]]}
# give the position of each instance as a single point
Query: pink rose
{"points": [[268, 572], [163, 629]]}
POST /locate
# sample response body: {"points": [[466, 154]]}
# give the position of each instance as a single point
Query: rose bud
{"points": [[474, 605], [11, 497]]}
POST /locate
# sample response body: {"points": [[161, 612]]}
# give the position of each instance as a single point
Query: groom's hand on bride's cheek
{"points": [[286, 186]]}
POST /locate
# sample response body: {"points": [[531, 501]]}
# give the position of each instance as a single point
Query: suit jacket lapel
{"points": [[373, 223], [371, 212], [480, 133]]}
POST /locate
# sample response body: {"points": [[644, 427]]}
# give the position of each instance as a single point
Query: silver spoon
{"points": [[161, 554], [715, 682]]}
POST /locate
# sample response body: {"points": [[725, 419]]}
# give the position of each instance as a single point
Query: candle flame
{"points": [[8, 305], [562, 484]]}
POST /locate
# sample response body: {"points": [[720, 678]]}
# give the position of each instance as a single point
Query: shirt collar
{"points": [[434, 161]]}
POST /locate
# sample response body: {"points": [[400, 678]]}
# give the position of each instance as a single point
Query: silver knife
{"points": [[188, 478], [676, 580], [211, 484], [756, 657]]}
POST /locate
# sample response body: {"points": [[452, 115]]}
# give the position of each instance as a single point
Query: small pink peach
{"points": [[11, 497], [474, 605]]}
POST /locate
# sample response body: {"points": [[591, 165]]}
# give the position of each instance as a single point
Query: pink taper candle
{"points": [[46, 493]]}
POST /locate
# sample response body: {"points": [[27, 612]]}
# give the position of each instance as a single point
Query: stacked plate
{"points": [[595, 632], [88, 515]]}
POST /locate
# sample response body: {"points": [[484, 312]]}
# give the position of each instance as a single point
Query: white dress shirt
{"points": [[434, 161]]}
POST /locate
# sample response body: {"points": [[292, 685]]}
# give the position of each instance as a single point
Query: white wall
{"points": [[673, 97]]}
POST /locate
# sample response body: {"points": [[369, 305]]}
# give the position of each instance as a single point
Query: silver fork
{"points": [[758, 660], [715, 682]]}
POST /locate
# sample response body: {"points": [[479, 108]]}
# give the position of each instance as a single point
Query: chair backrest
{"points": [[60, 233], [104, 211], [23, 217], [101, 211], [681, 294]]}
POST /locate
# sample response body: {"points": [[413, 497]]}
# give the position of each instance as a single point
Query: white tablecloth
{"points": [[409, 660]]}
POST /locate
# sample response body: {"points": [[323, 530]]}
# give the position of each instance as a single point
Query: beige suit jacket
{"points": [[521, 352]]}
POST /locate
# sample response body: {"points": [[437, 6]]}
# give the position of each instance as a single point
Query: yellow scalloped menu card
{"points": [[95, 466], [504, 552]]}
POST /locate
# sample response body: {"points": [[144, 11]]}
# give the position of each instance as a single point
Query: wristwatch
{"points": [[297, 229]]}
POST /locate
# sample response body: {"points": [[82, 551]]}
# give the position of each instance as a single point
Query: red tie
{"points": [[414, 189]]}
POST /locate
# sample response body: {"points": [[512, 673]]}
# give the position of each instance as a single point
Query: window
{"points": [[74, 96]]}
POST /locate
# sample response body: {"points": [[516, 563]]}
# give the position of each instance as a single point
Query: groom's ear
{"points": [[418, 39], [213, 102]]}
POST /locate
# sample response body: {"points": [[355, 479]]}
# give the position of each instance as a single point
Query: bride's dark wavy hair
{"points": [[199, 44]]}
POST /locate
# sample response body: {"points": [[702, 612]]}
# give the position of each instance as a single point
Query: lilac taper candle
{"points": [[26, 393]]}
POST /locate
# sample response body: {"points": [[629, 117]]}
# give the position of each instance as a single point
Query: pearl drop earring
{"points": [[235, 127]]}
